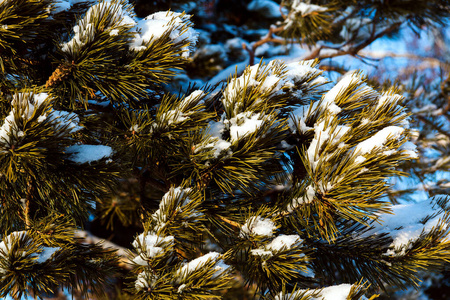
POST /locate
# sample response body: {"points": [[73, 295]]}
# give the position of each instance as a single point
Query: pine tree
{"points": [[272, 185]]}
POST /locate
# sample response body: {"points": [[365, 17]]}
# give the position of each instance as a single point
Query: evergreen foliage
{"points": [[274, 184]]}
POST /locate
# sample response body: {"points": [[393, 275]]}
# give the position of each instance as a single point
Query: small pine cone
{"points": [[62, 72]]}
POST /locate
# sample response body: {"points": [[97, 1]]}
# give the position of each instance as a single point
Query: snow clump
{"points": [[149, 246], [257, 226], [154, 26]]}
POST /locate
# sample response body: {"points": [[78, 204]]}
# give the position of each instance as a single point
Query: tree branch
{"points": [[353, 50], [268, 38], [88, 238]]}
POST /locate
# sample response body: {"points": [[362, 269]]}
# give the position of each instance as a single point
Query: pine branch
{"points": [[88, 238], [433, 125]]}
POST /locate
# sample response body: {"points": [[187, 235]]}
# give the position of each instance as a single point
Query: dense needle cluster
{"points": [[273, 183]]}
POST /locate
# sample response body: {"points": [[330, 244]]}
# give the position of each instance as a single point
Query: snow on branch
{"points": [[410, 222], [111, 13], [179, 203], [20, 239], [257, 226], [151, 245], [30, 108], [153, 27], [82, 154], [336, 292], [274, 79]]}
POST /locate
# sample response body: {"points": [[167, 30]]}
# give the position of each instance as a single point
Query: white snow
{"points": [[244, 124], [360, 159], [278, 76], [300, 9], [283, 242], [193, 97], [176, 198], [141, 283], [64, 120], [257, 226], [297, 71], [154, 26], [173, 117], [134, 128], [240, 126], [200, 262], [82, 36], [379, 139], [28, 106], [114, 32], [150, 246], [349, 80], [219, 146], [85, 31], [248, 78], [335, 292], [269, 8], [321, 135], [215, 129], [307, 198], [6, 243], [88, 153], [144, 281], [175, 194], [387, 99], [300, 114], [406, 223], [220, 267], [40, 257], [46, 253], [306, 8], [410, 149], [261, 252]]}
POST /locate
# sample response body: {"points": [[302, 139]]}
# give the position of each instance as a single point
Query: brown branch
{"points": [[434, 62], [146, 177], [440, 130], [88, 238], [26, 203], [338, 69], [353, 51], [268, 38], [230, 222]]}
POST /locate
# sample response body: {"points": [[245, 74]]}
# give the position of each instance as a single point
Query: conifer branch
{"points": [[272, 186], [27, 202], [433, 125], [89, 238]]}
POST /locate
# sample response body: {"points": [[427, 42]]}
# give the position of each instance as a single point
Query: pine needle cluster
{"points": [[275, 182]]}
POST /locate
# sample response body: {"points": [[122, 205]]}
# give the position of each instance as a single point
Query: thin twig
{"points": [[353, 51], [440, 130], [232, 223], [268, 38]]}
